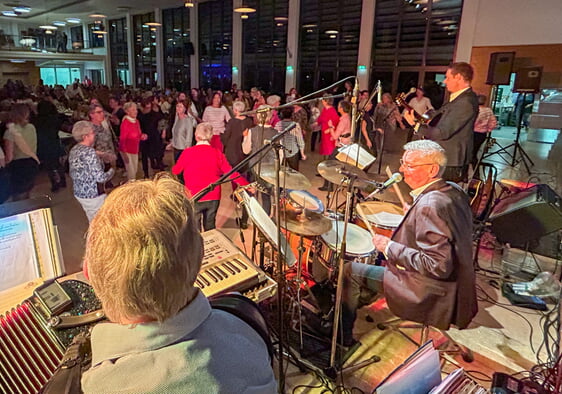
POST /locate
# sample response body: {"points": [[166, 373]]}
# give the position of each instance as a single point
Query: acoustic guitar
{"points": [[430, 117]]}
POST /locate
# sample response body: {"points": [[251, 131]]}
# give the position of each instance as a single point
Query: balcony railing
{"points": [[46, 43]]}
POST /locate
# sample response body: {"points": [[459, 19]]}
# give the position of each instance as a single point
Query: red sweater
{"points": [[129, 139], [202, 165]]}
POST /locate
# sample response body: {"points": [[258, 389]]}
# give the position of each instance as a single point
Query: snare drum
{"points": [[303, 199], [384, 217], [359, 247]]}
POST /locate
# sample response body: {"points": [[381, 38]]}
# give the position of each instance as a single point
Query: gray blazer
{"points": [[454, 130], [430, 277]]}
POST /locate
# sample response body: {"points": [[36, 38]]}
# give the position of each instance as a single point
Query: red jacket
{"points": [[129, 139], [202, 165]]}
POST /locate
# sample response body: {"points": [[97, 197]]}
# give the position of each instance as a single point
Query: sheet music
{"points": [[385, 219], [348, 154], [18, 260]]}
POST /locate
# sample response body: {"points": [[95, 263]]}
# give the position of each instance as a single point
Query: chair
{"points": [[449, 347]]}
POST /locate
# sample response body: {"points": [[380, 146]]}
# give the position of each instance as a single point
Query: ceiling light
{"points": [[153, 24], [17, 60], [73, 20], [309, 25], [281, 18], [22, 8], [96, 16], [59, 23], [9, 13], [189, 4], [332, 36], [244, 16], [48, 27], [331, 32], [245, 9], [48, 32]]}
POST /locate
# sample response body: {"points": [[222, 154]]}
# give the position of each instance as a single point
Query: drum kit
{"points": [[315, 234]]}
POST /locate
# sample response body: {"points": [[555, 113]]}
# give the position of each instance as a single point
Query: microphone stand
{"points": [[273, 144]]}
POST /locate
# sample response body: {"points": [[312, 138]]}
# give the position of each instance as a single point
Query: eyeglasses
{"points": [[410, 166]]}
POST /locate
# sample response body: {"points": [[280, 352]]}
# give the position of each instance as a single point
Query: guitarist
{"points": [[421, 104], [454, 130]]}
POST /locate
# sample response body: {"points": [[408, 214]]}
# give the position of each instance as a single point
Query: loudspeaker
{"points": [[527, 215], [528, 80], [499, 70]]}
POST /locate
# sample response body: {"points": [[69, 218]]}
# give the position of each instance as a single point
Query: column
{"points": [[107, 70], [194, 37], [131, 48], [160, 80], [293, 27], [236, 44], [365, 43]]}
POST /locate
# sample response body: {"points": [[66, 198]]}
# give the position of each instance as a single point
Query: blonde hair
{"points": [[204, 131], [143, 251], [128, 105]]}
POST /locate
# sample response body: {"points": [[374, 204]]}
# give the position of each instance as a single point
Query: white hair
{"points": [[428, 149], [81, 129], [204, 131], [238, 106], [273, 99]]}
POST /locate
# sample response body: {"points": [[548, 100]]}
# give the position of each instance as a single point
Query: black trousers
{"points": [[207, 213]]}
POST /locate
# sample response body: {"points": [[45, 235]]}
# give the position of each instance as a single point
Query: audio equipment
{"points": [[528, 80], [527, 215], [499, 69]]}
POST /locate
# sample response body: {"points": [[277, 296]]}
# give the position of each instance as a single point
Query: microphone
{"points": [[346, 173], [395, 178]]}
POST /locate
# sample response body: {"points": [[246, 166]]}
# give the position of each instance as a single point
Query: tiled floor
{"points": [[500, 334]]}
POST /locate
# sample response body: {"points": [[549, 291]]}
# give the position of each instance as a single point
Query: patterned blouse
{"points": [[104, 143], [86, 170]]}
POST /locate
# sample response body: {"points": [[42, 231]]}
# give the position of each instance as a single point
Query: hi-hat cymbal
{"points": [[288, 178], [331, 170], [307, 224]]}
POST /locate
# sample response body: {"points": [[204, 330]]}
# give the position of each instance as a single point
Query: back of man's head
{"points": [[143, 251]]}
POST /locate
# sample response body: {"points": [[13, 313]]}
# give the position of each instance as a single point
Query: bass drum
{"points": [[323, 259]]}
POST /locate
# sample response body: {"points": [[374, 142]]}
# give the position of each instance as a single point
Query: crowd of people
{"points": [[134, 125]]}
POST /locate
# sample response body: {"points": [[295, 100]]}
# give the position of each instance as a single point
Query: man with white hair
{"points": [[202, 165], [274, 101], [429, 276]]}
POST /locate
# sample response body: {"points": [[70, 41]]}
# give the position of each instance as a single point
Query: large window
{"points": [[119, 55], [215, 40], [145, 50], [414, 41], [96, 40], [60, 75], [178, 48], [329, 42], [265, 42]]}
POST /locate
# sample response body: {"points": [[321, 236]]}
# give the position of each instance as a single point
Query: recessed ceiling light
{"points": [[73, 20], [281, 18], [243, 16], [17, 60], [189, 4], [59, 23], [331, 32], [9, 13], [153, 24], [96, 16], [22, 8], [245, 10], [48, 27]]}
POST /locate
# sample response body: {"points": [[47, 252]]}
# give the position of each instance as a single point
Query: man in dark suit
{"points": [[454, 130], [429, 277]]}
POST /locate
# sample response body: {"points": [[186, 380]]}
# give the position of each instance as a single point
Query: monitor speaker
{"points": [[528, 80], [499, 69], [527, 215]]}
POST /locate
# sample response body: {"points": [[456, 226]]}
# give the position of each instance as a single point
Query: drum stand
{"points": [[334, 369]]}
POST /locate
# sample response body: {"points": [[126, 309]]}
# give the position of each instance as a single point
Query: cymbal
{"points": [[331, 171], [288, 178], [307, 224]]}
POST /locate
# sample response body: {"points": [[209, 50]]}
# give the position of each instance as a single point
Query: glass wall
{"points": [[145, 50], [264, 45], [96, 40], [215, 40], [178, 48], [414, 42], [118, 49], [60, 75], [329, 42]]}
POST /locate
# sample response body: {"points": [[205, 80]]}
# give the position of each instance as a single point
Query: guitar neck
{"points": [[402, 102]]}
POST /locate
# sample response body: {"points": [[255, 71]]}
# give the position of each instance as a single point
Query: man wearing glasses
{"points": [[429, 277]]}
